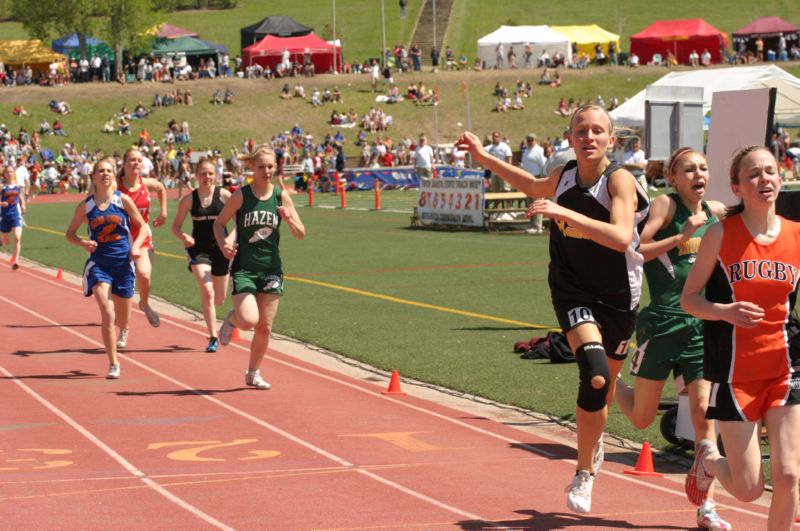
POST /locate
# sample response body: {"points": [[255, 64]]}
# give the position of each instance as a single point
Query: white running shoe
{"points": [[226, 330], [579, 493], [152, 316], [699, 480], [599, 456], [707, 518], [122, 338], [113, 371], [254, 378]]}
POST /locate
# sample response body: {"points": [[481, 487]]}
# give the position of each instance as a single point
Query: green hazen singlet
{"points": [[257, 232], [667, 273]]}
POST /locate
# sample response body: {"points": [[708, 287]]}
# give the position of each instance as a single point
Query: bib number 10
{"points": [[580, 315]]}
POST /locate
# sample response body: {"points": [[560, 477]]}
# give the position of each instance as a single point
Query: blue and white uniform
{"points": [[11, 214], [110, 262]]}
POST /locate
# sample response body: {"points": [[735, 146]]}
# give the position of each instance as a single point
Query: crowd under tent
{"points": [[770, 30], [787, 105], [542, 38], [680, 37], [586, 38], [269, 50], [277, 26]]}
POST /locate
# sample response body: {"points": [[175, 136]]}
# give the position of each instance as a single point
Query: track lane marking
{"points": [[525, 446]]}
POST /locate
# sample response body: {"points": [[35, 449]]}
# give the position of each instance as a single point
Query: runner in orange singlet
{"points": [[748, 266], [139, 189]]}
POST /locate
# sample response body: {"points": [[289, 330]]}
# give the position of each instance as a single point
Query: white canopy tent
{"points": [[787, 105], [541, 37]]}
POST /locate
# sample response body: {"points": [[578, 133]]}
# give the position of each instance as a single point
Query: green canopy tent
{"points": [[193, 49]]}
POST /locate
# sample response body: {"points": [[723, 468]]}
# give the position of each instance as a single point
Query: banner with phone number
{"points": [[451, 202]]}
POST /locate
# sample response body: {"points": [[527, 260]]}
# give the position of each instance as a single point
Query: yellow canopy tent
{"points": [[34, 53], [587, 37]]}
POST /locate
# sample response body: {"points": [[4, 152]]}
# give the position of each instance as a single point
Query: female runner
{"points": [[12, 208]]}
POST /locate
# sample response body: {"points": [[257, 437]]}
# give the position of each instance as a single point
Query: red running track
{"points": [[180, 443]]}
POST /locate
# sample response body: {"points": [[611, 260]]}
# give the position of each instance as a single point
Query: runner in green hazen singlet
{"points": [[257, 274], [668, 338]]}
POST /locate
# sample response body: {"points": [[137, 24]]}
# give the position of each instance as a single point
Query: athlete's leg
{"points": [[590, 424], [640, 403], [741, 471], [783, 427], [17, 232], [144, 270], [101, 292], [245, 311], [122, 311], [220, 288], [202, 274], [267, 308], [699, 393]]}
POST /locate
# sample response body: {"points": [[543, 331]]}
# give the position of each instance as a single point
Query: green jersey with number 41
{"points": [[667, 273]]}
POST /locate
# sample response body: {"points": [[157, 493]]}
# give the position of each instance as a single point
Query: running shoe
{"points": [[14, 266], [122, 338], [699, 480], [213, 344], [707, 518], [599, 456], [254, 378], [226, 330], [113, 371], [579, 493], [152, 316]]}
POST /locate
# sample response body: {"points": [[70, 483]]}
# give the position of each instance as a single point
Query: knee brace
{"points": [[591, 359]]}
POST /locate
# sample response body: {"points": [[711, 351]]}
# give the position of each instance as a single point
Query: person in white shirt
{"points": [[23, 177], [635, 161], [502, 151], [533, 161], [423, 158]]}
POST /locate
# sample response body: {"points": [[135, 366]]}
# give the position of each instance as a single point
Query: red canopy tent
{"points": [[679, 37], [168, 31], [268, 51]]}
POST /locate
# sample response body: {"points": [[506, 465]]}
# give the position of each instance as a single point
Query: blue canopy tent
{"points": [[68, 45], [221, 48]]}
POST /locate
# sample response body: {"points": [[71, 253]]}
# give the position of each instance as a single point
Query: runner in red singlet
{"points": [[749, 266], [139, 189]]}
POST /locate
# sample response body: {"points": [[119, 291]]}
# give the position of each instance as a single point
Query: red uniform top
{"points": [[766, 275], [141, 198]]}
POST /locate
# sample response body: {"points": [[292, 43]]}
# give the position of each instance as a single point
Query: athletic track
{"points": [[180, 443]]}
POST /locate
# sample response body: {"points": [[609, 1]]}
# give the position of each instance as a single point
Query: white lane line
{"points": [[297, 440], [624, 477], [108, 450]]}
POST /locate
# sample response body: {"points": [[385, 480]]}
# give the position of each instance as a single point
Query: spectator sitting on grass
{"points": [[286, 92], [394, 95], [58, 128], [299, 91], [19, 110], [517, 105], [316, 98], [60, 107], [216, 98], [139, 111], [336, 95], [327, 97], [44, 128], [229, 96], [124, 127], [500, 105]]}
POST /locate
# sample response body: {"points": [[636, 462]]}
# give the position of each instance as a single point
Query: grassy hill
{"points": [[358, 22]]}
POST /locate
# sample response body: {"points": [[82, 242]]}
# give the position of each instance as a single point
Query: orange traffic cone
{"points": [[644, 465], [59, 274], [235, 335], [394, 384]]}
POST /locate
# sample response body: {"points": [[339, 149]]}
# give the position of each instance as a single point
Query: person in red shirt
{"points": [[744, 286], [138, 188], [387, 159]]}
